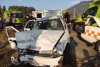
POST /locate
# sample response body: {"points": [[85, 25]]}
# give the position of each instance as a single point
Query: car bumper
{"points": [[40, 61]]}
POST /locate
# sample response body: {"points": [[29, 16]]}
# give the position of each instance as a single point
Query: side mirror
{"points": [[83, 15]]}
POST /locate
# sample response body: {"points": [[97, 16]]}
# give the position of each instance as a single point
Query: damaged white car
{"points": [[91, 32], [44, 44]]}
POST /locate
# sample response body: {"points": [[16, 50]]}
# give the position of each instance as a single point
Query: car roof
{"points": [[48, 18]]}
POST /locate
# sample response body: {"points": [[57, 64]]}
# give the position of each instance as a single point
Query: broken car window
{"points": [[52, 24]]}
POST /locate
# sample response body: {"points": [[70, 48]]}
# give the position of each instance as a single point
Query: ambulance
{"points": [[39, 13], [19, 16], [91, 32], [93, 10]]}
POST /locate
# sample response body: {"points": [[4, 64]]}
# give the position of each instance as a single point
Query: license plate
{"points": [[35, 47]]}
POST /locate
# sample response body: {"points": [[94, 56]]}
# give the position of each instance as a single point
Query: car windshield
{"points": [[91, 11], [51, 24]]}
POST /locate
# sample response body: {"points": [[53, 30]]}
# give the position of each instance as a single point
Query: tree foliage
{"points": [[24, 9], [2, 9]]}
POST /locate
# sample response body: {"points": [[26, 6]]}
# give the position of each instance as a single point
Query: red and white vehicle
{"points": [[92, 32]]}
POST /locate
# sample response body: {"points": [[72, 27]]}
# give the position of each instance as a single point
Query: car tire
{"points": [[98, 46], [67, 54], [80, 29]]}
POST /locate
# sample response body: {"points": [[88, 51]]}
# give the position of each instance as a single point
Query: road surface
{"points": [[82, 51]]}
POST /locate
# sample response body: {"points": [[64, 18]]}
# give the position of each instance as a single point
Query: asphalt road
{"points": [[82, 51]]}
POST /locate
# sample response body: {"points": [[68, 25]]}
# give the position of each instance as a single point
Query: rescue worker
{"points": [[7, 20], [66, 17], [13, 18], [31, 17], [25, 20], [1, 23]]}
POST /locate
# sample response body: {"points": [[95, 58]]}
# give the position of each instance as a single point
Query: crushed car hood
{"points": [[38, 39]]}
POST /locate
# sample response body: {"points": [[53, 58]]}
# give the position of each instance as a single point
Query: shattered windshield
{"points": [[52, 24]]}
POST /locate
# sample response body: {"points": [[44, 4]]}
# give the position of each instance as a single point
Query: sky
{"points": [[41, 4]]}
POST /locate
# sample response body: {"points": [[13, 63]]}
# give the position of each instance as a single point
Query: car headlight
{"points": [[51, 53]]}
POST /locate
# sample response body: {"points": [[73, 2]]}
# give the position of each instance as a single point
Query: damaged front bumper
{"points": [[36, 60]]}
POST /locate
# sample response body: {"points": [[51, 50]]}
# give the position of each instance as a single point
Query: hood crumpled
{"points": [[38, 39]]}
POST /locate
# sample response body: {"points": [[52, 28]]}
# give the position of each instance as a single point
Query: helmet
{"points": [[64, 11]]}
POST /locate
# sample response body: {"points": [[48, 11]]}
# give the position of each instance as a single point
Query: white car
{"points": [[92, 32], [44, 44]]}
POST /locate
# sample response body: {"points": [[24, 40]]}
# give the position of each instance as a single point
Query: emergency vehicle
{"points": [[17, 13], [45, 44], [93, 10], [39, 13], [91, 32]]}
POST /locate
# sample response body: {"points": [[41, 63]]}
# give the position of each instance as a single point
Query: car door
{"points": [[10, 31], [28, 25], [66, 36]]}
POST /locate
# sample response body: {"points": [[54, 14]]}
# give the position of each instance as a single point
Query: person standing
{"points": [[7, 20], [66, 17], [1, 23], [31, 17], [13, 19], [25, 20]]}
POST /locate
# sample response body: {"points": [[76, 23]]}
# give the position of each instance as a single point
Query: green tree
{"points": [[24, 9], [0, 10], [4, 8]]}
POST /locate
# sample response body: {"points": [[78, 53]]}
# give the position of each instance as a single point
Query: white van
{"points": [[39, 13]]}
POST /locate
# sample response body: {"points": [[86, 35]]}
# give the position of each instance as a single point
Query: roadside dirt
{"points": [[83, 55]]}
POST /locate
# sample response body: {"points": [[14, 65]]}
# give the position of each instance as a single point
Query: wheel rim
{"points": [[80, 29]]}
